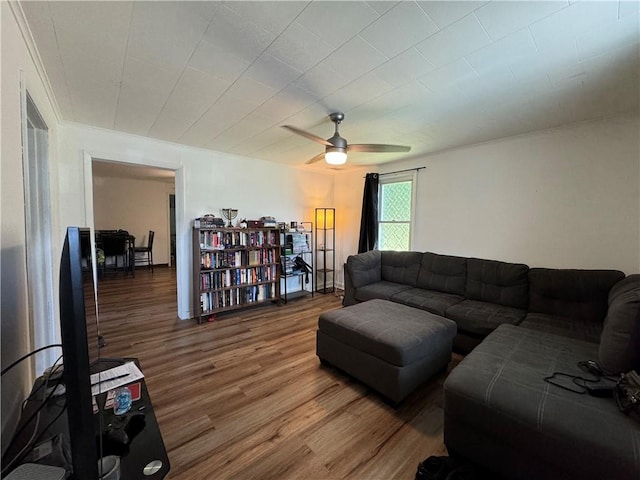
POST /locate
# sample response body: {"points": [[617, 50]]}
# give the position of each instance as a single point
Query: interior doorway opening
{"points": [[38, 233]]}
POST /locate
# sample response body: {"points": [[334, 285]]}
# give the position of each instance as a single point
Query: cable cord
{"points": [[34, 438], [24, 357], [587, 366], [54, 369]]}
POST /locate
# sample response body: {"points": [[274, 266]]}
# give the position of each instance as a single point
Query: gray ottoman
{"points": [[388, 346]]}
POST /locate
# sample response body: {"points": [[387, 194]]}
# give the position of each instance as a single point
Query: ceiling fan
{"points": [[336, 147]]}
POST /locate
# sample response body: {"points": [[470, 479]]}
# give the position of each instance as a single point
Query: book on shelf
{"points": [[254, 257]]}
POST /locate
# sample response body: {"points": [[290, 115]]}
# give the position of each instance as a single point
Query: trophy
{"points": [[230, 214]]}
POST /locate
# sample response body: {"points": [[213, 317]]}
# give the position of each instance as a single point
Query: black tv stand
{"points": [[143, 457]]}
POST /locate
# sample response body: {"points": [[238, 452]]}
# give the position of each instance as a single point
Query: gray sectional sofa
{"points": [[479, 295], [517, 326]]}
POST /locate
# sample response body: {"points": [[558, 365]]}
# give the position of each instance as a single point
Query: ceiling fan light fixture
{"points": [[335, 156]]}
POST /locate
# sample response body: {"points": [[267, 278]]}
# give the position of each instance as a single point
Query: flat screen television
{"points": [[80, 350]]}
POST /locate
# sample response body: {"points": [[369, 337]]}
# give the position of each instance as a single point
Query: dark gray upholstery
{"points": [[571, 293], [400, 267], [577, 328], [619, 350], [395, 333], [390, 347], [501, 414], [364, 268], [429, 300], [443, 273], [482, 318], [497, 282], [566, 302], [349, 292], [393, 382], [383, 290]]}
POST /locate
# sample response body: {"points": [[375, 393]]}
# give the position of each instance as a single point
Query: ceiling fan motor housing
{"points": [[336, 147], [337, 141]]}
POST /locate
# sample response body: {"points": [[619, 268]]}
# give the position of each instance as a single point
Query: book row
{"points": [[238, 296], [238, 258], [237, 276], [295, 242], [237, 239]]}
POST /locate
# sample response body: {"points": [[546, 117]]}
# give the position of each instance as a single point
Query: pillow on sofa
{"points": [[620, 341], [400, 267], [443, 273], [577, 294], [364, 268], [492, 281]]}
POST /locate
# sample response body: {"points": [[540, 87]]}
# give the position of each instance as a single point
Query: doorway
{"points": [[38, 232], [136, 199], [175, 167]]}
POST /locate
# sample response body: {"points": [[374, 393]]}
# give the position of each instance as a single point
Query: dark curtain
{"points": [[369, 219]]}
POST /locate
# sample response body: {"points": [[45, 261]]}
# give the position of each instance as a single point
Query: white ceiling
{"points": [[433, 75]]}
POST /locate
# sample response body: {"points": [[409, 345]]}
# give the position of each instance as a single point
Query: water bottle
{"points": [[122, 401]]}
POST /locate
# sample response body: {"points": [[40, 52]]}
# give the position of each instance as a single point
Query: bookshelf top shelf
{"points": [[237, 248], [235, 229]]}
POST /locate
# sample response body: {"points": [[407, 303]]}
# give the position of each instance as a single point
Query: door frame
{"points": [[182, 246], [38, 232]]}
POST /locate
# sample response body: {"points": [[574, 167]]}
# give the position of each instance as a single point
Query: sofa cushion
{"points": [[578, 328], [364, 268], [571, 293], [443, 273], [481, 318], [392, 332], [496, 403], [620, 342], [400, 267], [429, 300], [497, 282], [383, 290]]}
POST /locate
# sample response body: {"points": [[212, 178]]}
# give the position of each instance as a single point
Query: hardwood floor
{"points": [[245, 396]]}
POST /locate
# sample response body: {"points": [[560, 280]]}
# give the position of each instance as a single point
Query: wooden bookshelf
{"points": [[234, 268]]}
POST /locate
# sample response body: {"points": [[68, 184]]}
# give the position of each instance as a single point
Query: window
{"points": [[395, 213]]}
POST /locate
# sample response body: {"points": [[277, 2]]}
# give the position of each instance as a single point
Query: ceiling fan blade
{"points": [[315, 159], [374, 147], [310, 136]]}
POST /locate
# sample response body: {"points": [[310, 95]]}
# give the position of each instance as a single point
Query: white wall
{"points": [[349, 187], [564, 198], [137, 206], [206, 182], [15, 334]]}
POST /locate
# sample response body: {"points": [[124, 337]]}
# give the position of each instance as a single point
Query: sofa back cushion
{"points": [[364, 268], [620, 341], [443, 273], [576, 294], [400, 267], [496, 282]]}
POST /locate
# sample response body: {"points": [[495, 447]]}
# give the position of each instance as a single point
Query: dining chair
{"points": [[147, 259], [114, 246]]}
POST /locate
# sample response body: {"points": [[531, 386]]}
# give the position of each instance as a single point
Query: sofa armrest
{"points": [[364, 268], [349, 290]]}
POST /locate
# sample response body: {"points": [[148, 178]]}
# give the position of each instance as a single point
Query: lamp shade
{"points": [[325, 217], [335, 156]]}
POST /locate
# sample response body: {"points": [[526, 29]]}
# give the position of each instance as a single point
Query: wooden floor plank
{"points": [[245, 397]]}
